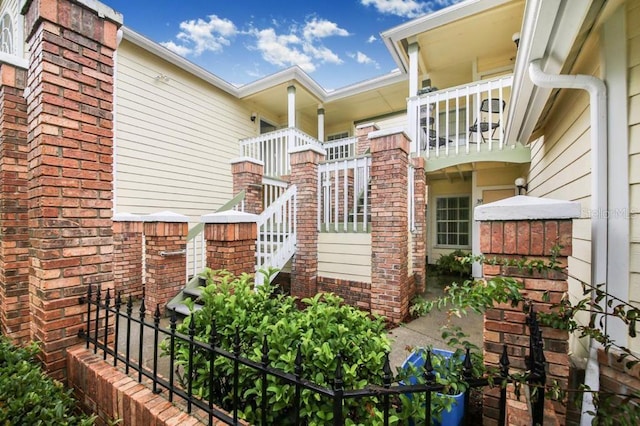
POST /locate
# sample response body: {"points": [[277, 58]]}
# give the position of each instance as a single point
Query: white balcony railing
{"points": [[273, 149], [344, 203], [340, 149], [456, 120]]}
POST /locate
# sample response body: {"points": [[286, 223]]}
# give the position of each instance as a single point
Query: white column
{"points": [[414, 51], [291, 103], [320, 123]]}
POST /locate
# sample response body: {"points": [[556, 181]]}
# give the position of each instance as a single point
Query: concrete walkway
{"points": [[426, 331]]}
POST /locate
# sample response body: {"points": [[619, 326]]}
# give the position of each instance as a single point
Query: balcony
{"points": [[464, 124]]}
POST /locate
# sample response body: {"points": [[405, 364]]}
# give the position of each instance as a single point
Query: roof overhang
{"points": [[395, 38], [553, 32]]}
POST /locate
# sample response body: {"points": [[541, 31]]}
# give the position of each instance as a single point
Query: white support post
{"points": [[291, 104], [320, 123]]}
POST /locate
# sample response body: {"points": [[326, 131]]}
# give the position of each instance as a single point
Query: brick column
{"points": [[127, 254], [420, 230], [231, 241], [304, 174], [389, 224], [70, 101], [247, 176], [166, 264], [362, 132], [14, 224], [512, 229]]}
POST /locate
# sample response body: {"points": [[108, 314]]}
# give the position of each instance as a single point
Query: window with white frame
{"points": [[453, 221], [6, 34], [337, 136]]}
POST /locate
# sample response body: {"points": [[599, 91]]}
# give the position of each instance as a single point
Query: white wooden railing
{"points": [[272, 189], [196, 245], [343, 195], [277, 232], [340, 149], [442, 123], [273, 149]]}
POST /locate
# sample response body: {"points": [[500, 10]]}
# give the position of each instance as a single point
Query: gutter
{"points": [[599, 179]]}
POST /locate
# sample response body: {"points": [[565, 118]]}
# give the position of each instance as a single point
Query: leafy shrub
{"points": [[323, 329], [28, 396], [454, 263]]}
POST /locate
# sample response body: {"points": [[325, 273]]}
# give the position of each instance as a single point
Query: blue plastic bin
{"points": [[449, 418]]}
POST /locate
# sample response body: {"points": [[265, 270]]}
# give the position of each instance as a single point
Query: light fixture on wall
{"points": [[516, 39], [253, 117], [162, 78], [521, 184]]}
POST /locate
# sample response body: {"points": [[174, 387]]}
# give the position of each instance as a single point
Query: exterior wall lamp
{"points": [[253, 117], [521, 184]]}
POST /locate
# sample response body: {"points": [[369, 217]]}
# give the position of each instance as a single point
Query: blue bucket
{"points": [[449, 418]]}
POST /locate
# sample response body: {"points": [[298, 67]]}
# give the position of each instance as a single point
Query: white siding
{"points": [[633, 33], [174, 138], [345, 256]]}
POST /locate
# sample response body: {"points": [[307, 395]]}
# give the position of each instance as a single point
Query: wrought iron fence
{"points": [[108, 317]]}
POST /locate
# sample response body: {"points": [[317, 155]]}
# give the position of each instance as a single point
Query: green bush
{"points": [[325, 328], [454, 263], [28, 396]]}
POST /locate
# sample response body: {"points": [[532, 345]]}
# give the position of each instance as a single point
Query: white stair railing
{"points": [[277, 233], [340, 149]]}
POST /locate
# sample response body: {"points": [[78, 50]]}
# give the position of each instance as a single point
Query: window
{"points": [[452, 221], [6, 35], [336, 136]]}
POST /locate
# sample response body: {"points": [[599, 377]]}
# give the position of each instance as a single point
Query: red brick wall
{"points": [[507, 325], [389, 227], [111, 395], [419, 249], [127, 257], [354, 293], [615, 377], [362, 132], [231, 246], [70, 104], [247, 176], [166, 275], [304, 268], [14, 231]]}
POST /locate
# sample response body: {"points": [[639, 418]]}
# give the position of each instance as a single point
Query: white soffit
{"points": [[522, 207]]}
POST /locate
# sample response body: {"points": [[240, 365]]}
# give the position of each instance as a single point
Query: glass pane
{"points": [[464, 240]]}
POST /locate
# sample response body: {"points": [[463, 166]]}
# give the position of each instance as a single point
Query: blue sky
{"points": [[336, 41]]}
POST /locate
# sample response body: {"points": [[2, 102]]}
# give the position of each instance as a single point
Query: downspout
{"points": [[599, 177]]}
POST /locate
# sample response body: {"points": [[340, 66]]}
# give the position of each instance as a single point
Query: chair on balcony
{"points": [[493, 107], [428, 136]]}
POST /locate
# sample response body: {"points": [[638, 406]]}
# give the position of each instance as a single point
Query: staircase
{"points": [[275, 245]]}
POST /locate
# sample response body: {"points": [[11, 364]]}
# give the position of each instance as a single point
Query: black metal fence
{"points": [[124, 336]]}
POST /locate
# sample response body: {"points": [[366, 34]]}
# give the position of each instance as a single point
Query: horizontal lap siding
{"points": [[633, 33], [174, 138], [345, 256]]}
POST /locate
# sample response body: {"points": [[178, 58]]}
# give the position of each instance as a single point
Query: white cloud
{"points": [[176, 48], [322, 28], [407, 8], [371, 39], [282, 50], [301, 46], [198, 36], [363, 59]]}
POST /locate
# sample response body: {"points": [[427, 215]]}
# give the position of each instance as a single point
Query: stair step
{"points": [[196, 292], [184, 310]]}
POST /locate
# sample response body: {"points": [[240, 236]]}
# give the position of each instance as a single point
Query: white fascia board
{"points": [[394, 36], [177, 60], [549, 30], [294, 73], [395, 76]]}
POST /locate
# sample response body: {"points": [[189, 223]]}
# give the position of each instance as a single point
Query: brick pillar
{"points": [[362, 132], [420, 230], [247, 176], [166, 264], [304, 174], [14, 224], [127, 254], [512, 229], [389, 225], [231, 241], [70, 102]]}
